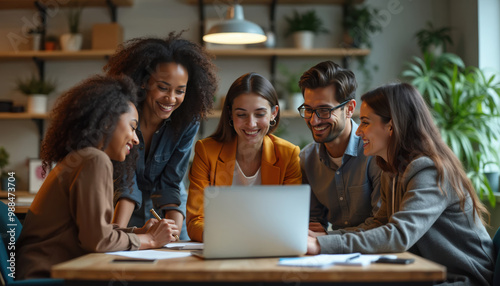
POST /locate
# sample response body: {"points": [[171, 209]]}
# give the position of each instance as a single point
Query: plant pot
{"points": [[50, 46], [37, 103], [282, 103], [71, 42], [37, 39], [295, 101], [435, 50], [493, 180], [303, 39]]}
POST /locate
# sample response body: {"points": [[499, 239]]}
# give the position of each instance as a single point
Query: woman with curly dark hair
{"points": [[176, 80], [93, 125]]}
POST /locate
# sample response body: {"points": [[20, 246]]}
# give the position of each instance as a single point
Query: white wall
{"points": [[392, 48]]}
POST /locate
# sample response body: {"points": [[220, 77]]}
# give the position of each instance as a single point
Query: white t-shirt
{"points": [[239, 178]]}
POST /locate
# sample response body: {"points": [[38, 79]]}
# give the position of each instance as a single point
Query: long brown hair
{"points": [[415, 135]]}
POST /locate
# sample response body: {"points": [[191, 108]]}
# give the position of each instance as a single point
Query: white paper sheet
{"points": [[324, 260], [150, 254]]}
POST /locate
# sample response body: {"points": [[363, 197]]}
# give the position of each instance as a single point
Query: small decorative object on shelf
{"points": [[50, 43], [106, 36], [433, 40], [303, 27], [35, 175], [36, 36], [6, 105], [72, 41], [37, 91]]}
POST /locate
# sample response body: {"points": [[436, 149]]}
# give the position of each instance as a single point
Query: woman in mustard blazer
{"points": [[242, 150]]}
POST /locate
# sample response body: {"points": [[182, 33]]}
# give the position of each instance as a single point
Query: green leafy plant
{"points": [[308, 21], [360, 22], [290, 80], [433, 36], [73, 15], [33, 85], [4, 161], [465, 105]]}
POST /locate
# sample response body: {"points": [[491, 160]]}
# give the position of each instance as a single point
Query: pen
{"points": [[159, 218], [353, 257]]}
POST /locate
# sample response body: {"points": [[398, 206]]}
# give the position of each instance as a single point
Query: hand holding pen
{"points": [[176, 237]]}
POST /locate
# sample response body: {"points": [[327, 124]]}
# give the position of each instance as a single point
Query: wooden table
{"points": [[97, 267]]}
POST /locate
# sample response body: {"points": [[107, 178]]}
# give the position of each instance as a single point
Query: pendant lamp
{"points": [[235, 30]]}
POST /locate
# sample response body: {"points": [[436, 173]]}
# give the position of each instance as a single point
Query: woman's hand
{"points": [[158, 234], [313, 247], [146, 226]]}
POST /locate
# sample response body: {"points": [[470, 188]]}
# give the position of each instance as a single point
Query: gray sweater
{"points": [[426, 222]]}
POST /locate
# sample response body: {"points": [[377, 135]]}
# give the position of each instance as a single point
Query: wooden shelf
{"points": [[56, 55], [290, 52], [23, 115], [268, 2], [29, 4]]}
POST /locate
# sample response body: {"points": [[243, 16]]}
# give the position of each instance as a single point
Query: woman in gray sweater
{"points": [[429, 206]]}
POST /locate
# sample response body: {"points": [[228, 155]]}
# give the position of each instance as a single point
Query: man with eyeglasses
{"points": [[345, 183]]}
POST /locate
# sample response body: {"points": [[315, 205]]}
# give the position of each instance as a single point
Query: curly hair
{"points": [[86, 116], [138, 58]]}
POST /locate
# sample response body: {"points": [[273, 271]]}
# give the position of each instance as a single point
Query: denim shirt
{"points": [[158, 178], [346, 196]]}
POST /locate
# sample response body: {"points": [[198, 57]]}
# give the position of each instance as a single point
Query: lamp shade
{"points": [[235, 30]]}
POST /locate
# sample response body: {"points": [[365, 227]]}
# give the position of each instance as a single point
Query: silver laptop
{"points": [[255, 221]]}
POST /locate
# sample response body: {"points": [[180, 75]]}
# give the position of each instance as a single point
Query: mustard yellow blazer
{"points": [[213, 165]]}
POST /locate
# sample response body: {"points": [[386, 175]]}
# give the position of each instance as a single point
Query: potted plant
{"points": [[290, 92], [303, 27], [50, 43], [433, 40], [4, 161], [465, 105], [359, 23], [72, 41], [37, 91]]}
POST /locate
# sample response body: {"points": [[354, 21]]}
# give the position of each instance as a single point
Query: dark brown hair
{"points": [[327, 73], [247, 83]]}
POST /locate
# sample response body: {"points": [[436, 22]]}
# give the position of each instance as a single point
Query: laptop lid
{"points": [[256, 221]]}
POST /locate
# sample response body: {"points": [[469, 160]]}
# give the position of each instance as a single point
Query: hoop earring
{"points": [[231, 122], [272, 123]]}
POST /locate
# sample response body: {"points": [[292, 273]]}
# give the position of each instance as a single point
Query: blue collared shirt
{"points": [[158, 178], [346, 196]]}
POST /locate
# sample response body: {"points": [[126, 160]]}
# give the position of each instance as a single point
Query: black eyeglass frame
{"points": [[302, 107]]}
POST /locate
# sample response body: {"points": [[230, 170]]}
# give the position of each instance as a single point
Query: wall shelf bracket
{"points": [[40, 65], [112, 10], [42, 10]]}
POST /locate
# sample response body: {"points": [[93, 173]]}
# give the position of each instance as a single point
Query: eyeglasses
{"points": [[321, 113]]}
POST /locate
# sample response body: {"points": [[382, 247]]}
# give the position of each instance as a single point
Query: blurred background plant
{"points": [[465, 103]]}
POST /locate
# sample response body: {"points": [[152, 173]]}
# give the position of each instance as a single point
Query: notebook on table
{"points": [[255, 221]]}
